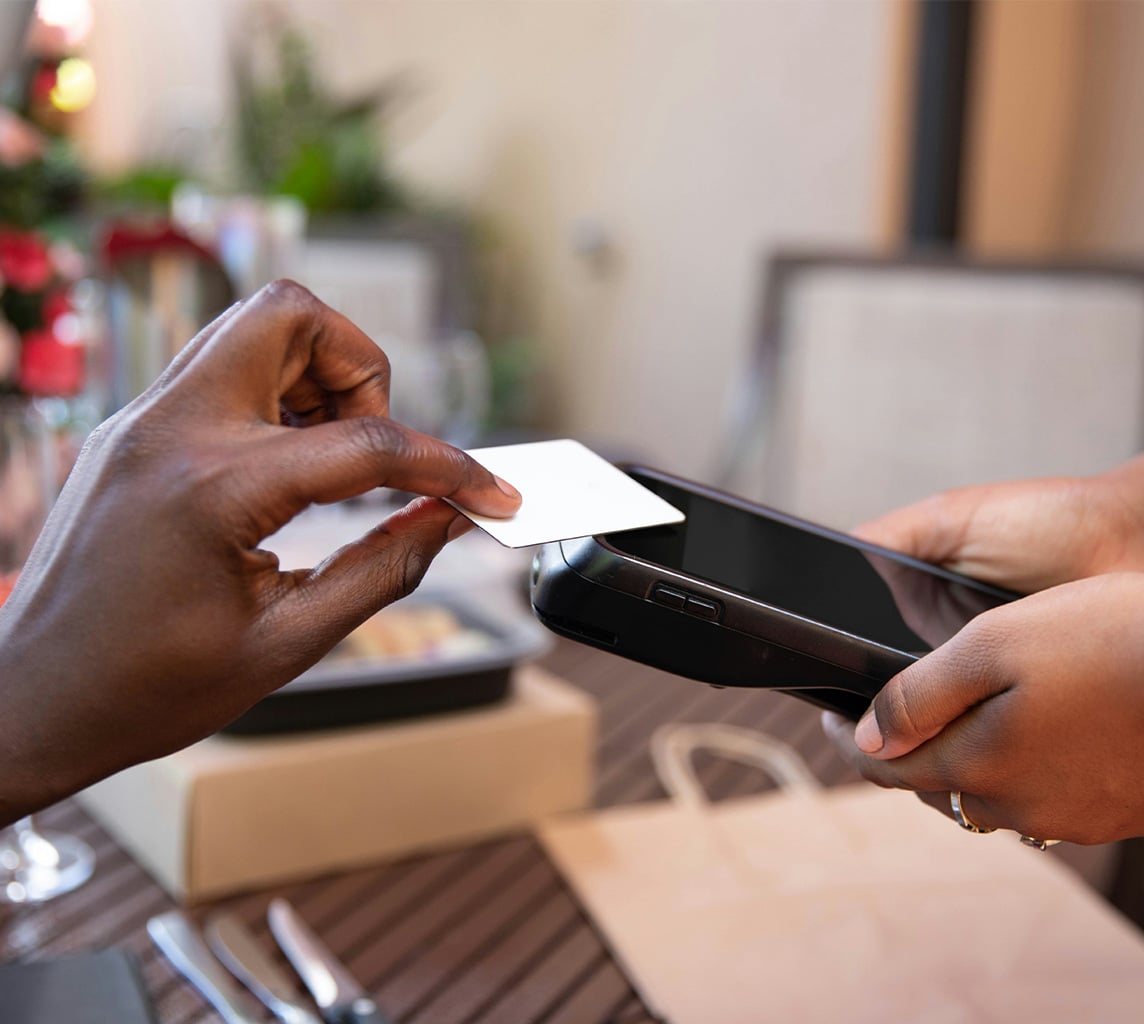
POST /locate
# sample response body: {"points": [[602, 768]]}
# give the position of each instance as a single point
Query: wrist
{"points": [[34, 770]]}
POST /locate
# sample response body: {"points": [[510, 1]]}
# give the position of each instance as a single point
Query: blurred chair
{"points": [[876, 381], [410, 278], [407, 283]]}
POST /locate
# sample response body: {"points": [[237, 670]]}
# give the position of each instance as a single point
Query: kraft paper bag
{"points": [[852, 904]]}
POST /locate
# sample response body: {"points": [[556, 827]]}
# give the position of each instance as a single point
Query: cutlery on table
{"points": [[341, 999], [234, 945], [180, 942]]}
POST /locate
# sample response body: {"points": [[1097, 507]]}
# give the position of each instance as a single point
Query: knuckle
{"points": [[294, 298], [376, 435], [397, 562], [411, 571], [401, 573], [298, 309], [982, 637], [377, 364], [897, 710], [462, 468], [978, 655]]}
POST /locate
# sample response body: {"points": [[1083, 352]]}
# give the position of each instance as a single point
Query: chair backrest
{"points": [[397, 278], [877, 381]]}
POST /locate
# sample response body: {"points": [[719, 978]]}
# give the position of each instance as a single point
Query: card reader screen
{"points": [[893, 603]]}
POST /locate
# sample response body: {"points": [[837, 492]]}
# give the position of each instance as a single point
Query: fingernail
{"points": [[867, 735], [458, 528], [507, 488]]}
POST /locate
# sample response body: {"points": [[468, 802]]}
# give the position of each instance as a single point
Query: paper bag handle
{"points": [[672, 747]]}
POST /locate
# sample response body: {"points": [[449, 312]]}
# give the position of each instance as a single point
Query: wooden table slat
{"points": [[422, 973], [552, 979], [499, 964], [483, 934], [596, 1001]]}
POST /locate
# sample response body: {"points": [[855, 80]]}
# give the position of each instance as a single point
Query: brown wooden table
{"points": [[485, 933]]}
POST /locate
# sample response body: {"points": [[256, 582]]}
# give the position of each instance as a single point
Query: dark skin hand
{"points": [[1034, 711], [147, 615]]}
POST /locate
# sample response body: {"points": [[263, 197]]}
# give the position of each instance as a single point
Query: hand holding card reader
{"points": [[741, 595]]}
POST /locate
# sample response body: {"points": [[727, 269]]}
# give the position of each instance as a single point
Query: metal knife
{"points": [[179, 940], [341, 999], [237, 949]]}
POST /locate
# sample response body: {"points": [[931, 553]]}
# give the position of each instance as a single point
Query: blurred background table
{"points": [[483, 933]]}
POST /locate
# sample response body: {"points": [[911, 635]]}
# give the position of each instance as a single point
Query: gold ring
{"points": [[962, 818], [1039, 844]]}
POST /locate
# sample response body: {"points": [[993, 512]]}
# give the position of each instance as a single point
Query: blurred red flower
{"points": [[24, 260], [43, 82], [49, 366], [57, 303]]}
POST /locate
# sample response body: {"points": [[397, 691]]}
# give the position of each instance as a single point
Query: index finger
{"points": [[284, 473]]}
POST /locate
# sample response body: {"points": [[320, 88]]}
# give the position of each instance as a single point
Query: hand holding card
{"points": [[568, 491]]}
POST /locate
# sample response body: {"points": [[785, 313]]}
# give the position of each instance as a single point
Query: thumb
{"points": [[920, 701]]}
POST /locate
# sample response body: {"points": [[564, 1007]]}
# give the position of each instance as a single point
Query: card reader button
{"points": [[702, 609], [667, 596]]}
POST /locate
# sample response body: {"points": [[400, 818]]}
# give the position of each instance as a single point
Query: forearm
{"points": [[29, 780], [43, 757]]}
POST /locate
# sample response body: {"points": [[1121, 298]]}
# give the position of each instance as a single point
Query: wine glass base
{"points": [[24, 881]]}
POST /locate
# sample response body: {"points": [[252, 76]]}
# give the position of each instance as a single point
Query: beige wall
{"points": [[161, 68], [697, 135]]}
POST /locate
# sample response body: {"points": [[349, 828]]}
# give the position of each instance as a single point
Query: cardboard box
{"points": [[231, 813]]}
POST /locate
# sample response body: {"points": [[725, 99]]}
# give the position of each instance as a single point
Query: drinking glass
{"points": [[34, 865], [37, 865]]}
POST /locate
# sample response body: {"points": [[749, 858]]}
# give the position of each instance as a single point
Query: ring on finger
{"points": [[962, 818], [1038, 844]]}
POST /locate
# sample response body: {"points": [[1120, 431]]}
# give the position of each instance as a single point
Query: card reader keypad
{"points": [[669, 596], [680, 600], [702, 608]]}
